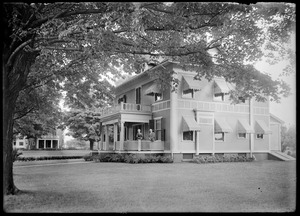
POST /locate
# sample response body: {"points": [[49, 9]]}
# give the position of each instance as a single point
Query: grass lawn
{"points": [[261, 186]]}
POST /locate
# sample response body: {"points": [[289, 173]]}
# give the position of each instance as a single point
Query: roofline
{"points": [[140, 74], [276, 118]]}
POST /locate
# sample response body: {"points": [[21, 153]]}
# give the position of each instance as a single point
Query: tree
{"points": [[288, 137], [64, 43], [84, 125]]}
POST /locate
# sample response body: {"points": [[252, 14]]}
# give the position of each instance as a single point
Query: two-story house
{"points": [[53, 140], [196, 119]]}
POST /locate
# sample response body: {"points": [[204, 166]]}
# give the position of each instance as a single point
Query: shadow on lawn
{"points": [[51, 201]]}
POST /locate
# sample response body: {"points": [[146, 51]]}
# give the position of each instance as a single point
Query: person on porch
{"points": [[139, 137], [151, 135]]}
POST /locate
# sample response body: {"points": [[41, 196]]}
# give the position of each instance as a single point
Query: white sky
{"points": [[286, 109]]}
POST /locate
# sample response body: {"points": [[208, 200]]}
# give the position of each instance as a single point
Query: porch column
{"points": [[51, 143], [122, 131], [101, 140], [197, 142], [44, 143], [115, 135], [106, 138], [173, 123]]}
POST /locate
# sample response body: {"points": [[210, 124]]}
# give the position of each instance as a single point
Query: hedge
{"points": [[47, 158]]}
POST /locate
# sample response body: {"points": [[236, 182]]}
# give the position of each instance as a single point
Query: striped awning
{"points": [[244, 127], [221, 86], [153, 89], [222, 126], [190, 83], [189, 124], [262, 128]]}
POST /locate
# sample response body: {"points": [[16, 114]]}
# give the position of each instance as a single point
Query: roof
{"points": [[244, 127], [189, 124], [261, 127], [222, 126], [190, 83], [221, 86], [276, 119], [152, 89], [141, 74]]}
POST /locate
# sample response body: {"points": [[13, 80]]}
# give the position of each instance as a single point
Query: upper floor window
{"points": [[242, 135], [158, 96], [189, 93], [138, 95], [21, 143], [242, 100], [219, 97], [122, 99], [259, 136]]}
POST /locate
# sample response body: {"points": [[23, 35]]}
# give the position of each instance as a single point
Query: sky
{"points": [[286, 109]]}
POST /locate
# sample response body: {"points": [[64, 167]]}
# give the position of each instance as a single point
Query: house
{"points": [[53, 140], [196, 119]]}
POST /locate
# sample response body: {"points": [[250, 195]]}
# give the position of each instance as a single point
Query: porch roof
{"points": [[222, 126], [189, 124], [190, 83], [261, 127], [244, 127]]}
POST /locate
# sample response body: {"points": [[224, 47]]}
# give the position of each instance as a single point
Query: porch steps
{"points": [[277, 155]]}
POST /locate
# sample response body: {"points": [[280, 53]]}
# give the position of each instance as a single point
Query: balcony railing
{"points": [[127, 107]]}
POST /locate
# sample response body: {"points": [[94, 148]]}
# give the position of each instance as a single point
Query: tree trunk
{"points": [[8, 113], [91, 144]]}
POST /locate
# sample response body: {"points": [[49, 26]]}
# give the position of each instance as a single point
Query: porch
{"points": [[120, 124]]}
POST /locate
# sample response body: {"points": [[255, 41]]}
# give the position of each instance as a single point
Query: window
{"points": [[242, 100], [138, 95], [157, 96], [158, 129], [41, 143], [122, 99], [188, 135], [219, 96], [48, 143], [21, 143], [259, 136], [242, 135], [219, 136], [188, 93], [14, 143]]}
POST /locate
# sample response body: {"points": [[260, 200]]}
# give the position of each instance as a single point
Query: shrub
{"points": [[220, 159], [16, 154]]}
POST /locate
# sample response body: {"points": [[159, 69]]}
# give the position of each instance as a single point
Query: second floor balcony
{"points": [[126, 107]]}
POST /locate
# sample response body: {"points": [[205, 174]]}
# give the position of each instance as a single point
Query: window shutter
{"points": [[163, 131], [151, 124]]}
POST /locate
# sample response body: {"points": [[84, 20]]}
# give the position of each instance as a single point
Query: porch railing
{"points": [[125, 106]]}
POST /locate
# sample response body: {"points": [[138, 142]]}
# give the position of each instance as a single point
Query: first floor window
{"points": [[242, 135], [14, 143], [219, 136], [188, 135], [259, 136], [158, 129]]}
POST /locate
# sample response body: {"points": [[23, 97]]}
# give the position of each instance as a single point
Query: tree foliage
{"points": [[288, 137], [84, 125], [70, 45]]}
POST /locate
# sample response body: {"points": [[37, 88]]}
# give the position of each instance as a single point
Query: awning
{"points": [[153, 89], [222, 126], [189, 124], [221, 86], [244, 127], [261, 127], [190, 83]]}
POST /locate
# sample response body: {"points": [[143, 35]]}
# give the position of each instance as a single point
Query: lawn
{"points": [[260, 186]]}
